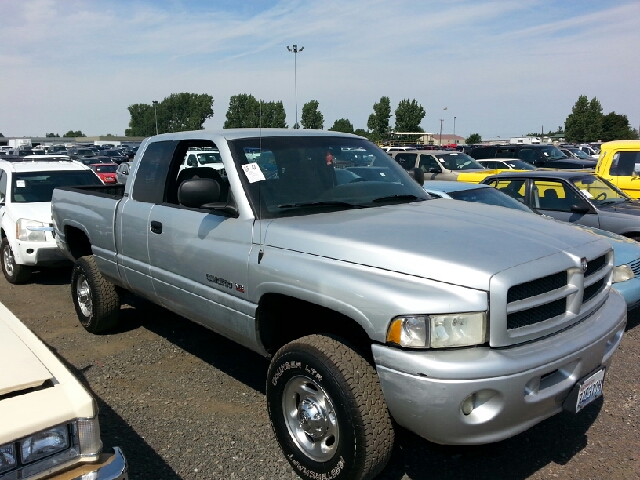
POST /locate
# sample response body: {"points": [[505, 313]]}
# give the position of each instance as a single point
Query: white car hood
{"points": [[39, 211], [21, 368]]}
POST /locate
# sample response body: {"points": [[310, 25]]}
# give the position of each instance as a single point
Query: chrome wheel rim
{"points": [[310, 418], [7, 258], [83, 293]]}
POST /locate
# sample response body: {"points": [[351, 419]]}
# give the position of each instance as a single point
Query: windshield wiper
{"points": [[320, 204], [398, 198]]}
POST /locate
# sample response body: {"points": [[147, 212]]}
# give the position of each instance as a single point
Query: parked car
{"points": [[574, 152], [105, 171], [443, 165], [619, 162], [540, 156], [116, 156], [93, 160], [122, 172], [371, 300], [506, 164], [50, 425], [25, 212], [575, 197], [80, 152], [626, 276]]}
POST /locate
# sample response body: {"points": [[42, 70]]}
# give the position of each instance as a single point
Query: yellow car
{"points": [[619, 162]]}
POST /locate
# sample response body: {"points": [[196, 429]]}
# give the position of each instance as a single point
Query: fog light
{"points": [[468, 404]]}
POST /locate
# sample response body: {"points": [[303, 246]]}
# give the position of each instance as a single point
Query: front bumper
{"points": [[32, 254], [109, 467], [516, 387], [630, 290]]}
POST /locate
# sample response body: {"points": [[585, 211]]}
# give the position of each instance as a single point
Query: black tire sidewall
{"points": [[10, 278], [304, 363], [20, 272]]}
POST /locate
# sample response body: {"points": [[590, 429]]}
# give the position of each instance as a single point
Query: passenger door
{"points": [[557, 199], [199, 261]]}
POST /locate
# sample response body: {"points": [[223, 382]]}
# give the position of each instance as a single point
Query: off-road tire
{"points": [[96, 300], [364, 432], [14, 273]]}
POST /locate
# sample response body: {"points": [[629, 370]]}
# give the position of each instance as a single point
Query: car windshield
{"points": [[519, 165], [86, 152], [598, 190], [38, 186], [579, 153], [458, 161], [553, 153], [301, 175], [490, 196], [209, 157]]}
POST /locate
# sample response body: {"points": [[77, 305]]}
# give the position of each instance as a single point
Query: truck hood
{"points": [[38, 211], [445, 240]]}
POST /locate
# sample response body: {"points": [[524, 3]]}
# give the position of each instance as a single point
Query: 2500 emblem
{"points": [[219, 281]]}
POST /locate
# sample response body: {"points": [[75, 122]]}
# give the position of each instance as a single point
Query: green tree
{"points": [[273, 115], [50, 135], [342, 125], [616, 127], [362, 132], [409, 114], [176, 113], [378, 122], [473, 139], [74, 133], [584, 123], [311, 117], [243, 112]]}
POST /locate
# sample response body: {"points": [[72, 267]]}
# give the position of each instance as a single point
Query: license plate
{"points": [[590, 389]]}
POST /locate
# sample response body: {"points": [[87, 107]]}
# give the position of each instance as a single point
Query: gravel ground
{"points": [[186, 403]]}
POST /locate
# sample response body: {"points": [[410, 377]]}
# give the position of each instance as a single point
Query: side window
{"points": [[429, 164], [505, 153], [626, 163], [151, 178], [3, 185], [513, 188], [528, 155], [406, 160], [554, 195]]}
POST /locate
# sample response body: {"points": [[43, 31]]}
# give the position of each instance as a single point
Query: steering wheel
{"points": [[601, 196]]}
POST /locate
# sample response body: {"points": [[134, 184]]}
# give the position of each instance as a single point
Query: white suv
{"points": [[26, 186]]}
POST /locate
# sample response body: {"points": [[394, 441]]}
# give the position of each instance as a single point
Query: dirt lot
{"points": [[184, 402]]}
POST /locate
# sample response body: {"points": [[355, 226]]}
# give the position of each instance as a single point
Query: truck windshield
{"points": [[459, 161], [287, 176], [38, 186], [553, 153]]}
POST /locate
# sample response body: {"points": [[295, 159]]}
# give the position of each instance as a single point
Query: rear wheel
{"points": [[327, 410], [95, 298], [13, 272]]}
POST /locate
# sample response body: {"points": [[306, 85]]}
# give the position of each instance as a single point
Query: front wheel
{"points": [[327, 410], [95, 298], [13, 272]]}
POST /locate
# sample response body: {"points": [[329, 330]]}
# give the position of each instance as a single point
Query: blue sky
{"points": [[502, 68]]}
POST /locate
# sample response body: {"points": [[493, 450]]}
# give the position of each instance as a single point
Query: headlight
{"points": [[622, 273], [44, 444], [7, 457], [438, 331], [30, 230]]}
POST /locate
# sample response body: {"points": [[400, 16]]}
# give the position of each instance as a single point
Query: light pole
{"points": [[295, 51], [454, 130], [155, 113], [441, 120]]}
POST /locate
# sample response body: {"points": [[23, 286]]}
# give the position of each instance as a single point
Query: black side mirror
{"points": [[196, 192], [418, 176], [580, 208]]}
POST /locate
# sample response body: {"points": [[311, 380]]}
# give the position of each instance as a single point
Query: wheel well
{"points": [[633, 235], [77, 242], [282, 319]]}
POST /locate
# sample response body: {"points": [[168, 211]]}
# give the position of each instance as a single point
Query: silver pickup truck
{"points": [[465, 323]]}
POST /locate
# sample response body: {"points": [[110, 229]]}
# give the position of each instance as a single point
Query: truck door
{"points": [[199, 258], [133, 218]]}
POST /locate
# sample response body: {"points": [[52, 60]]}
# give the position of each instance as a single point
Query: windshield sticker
{"points": [[19, 183], [253, 172], [586, 193]]}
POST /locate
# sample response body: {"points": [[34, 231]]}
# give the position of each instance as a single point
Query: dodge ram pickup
{"points": [[373, 301]]}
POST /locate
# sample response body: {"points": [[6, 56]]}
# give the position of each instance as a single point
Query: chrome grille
{"points": [[594, 265], [537, 287], [592, 290], [536, 314], [635, 266]]}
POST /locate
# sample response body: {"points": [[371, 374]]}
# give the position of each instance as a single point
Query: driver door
{"points": [[557, 199]]}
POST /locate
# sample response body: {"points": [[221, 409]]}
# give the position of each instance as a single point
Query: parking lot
{"points": [[184, 402]]}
